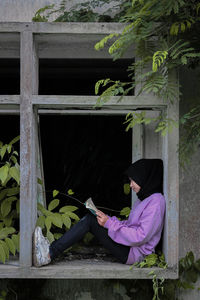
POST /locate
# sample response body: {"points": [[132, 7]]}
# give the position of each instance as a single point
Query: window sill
{"points": [[85, 269]]}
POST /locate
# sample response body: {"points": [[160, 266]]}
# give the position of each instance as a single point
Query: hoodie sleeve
{"points": [[148, 223]]}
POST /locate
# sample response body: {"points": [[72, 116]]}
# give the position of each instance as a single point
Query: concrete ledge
{"points": [[62, 27], [85, 269]]}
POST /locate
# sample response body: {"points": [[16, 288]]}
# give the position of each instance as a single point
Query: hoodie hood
{"points": [[148, 174]]}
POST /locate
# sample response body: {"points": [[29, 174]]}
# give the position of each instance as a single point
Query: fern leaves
{"points": [[158, 59], [100, 45], [182, 26], [182, 50]]}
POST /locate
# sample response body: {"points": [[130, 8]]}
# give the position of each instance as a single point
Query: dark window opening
{"points": [[87, 154], [78, 76], [10, 76], [10, 128]]}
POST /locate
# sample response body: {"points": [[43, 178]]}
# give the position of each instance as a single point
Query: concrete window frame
{"points": [[29, 104]]}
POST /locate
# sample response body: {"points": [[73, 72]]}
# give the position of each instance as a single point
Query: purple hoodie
{"points": [[142, 230]]}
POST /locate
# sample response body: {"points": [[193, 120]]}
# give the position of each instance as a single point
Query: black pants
{"points": [[76, 233]]}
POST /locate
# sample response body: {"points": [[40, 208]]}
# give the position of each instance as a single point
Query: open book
{"points": [[90, 205]]}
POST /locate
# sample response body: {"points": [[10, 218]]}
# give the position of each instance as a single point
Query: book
{"points": [[90, 205]]}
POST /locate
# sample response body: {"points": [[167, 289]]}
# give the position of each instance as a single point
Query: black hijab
{"points": [[148, 174]]}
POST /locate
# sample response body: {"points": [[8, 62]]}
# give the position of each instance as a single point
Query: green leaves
{"points": [[14, 173], [100, 45], [7, 172], [4, 173], [125, 212], [6, 205], [50, 220], [181, 26], [66, 221], [40, 221], [189, 141], [53, 204], [38, 15], [11, 245], [67, 208], [102, 82], [2, 254], [3, 151], [15, 140], [189, 271], [55, 193], [70, 192], [126, 188], [6, 231], [9, 200], [158, 58], [8, 147], [57, 220], [135, 118], [152, 260]]}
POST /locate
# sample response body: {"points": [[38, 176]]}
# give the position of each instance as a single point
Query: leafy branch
{"points": [[48, 220], [9, 200]]}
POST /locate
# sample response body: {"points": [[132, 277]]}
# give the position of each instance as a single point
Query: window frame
{"points": [[29, 104]]}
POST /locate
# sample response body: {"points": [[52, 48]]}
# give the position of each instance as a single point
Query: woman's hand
{"points": [[101, 218]]}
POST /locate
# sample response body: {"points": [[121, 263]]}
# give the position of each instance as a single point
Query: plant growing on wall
{"points": [[52, 222], [9, 200], [165, 37], [86, 11], [48, 219]]}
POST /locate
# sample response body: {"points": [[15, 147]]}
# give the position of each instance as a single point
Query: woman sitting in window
{"points": [[130, 240]]}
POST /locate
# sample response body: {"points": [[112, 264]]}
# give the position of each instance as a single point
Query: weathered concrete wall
{"points": [[77, 289], [190, 178], [20, 10], [23, 11]]}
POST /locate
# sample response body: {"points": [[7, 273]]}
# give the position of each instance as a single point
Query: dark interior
{"points": [[78, 76], [64, 76], [9, 125], [9, 76], [87, 154]]}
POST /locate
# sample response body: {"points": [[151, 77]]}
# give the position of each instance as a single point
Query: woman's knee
{"points": [[88, 218]]}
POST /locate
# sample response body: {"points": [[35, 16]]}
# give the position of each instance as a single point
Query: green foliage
{"points": [[152, 260], [70, 192], [39, 15], [78, 12], [158, 59], [3, 295], [9, 200], [189, 272], [126, 188], [190, 137], [165, 35], [134, 118], [182, 26], [116, 88], [125, 212], [100, 45], [53, 222], [157, 286]]}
